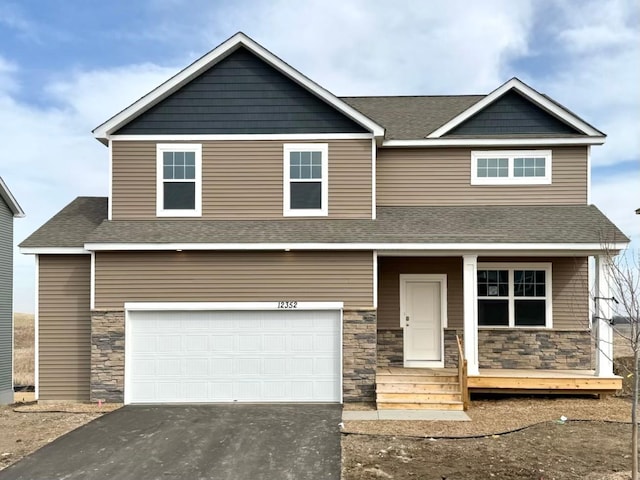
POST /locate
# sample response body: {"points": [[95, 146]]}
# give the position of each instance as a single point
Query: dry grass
{"points": [[23, 349]]}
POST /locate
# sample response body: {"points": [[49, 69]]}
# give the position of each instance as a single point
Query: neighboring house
{"points": [[9, 209], [265, 240]]}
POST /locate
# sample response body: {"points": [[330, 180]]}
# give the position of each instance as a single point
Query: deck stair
{"points": [[418, 389]]}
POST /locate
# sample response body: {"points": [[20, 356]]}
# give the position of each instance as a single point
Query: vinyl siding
{"points": [[233, 277], [569, 288], [241, 180], [442, 176], [241, 94], [64, 327], [390, 269], [6, 290]]}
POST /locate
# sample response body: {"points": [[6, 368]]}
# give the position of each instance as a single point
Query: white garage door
{"points": [[233, 356]]}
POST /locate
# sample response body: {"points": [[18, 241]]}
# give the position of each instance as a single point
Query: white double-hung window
{"points": [[306, 184], [517, 167], [179, 180]]}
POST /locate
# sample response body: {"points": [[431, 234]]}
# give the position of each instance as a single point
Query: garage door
{"points": [[233, 356]]}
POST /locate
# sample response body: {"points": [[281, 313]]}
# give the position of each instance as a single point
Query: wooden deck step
{"points": [[421, 406], [417, 389]]}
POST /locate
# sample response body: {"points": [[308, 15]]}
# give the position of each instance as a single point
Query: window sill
{"points": [[179, 213], [305, 213]]}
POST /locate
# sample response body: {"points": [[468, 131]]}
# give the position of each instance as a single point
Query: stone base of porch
{"points": [[504, 348]]}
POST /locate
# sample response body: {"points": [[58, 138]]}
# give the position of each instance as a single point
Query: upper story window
{"points": [[306, 179], [514, 295], [501, 167], [179, 180]]}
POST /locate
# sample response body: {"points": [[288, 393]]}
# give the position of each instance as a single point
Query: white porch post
{"points": [[603, 313], [470, 292]]}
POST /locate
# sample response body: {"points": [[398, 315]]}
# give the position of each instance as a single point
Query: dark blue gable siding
{"points": [[241, 95], [512, 114]]}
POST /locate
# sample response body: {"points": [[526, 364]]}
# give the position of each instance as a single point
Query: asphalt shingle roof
{"points": [[84, 221], [410, 118]]}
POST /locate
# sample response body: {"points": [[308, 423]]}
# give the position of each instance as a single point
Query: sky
{"points": [[66, 67]]}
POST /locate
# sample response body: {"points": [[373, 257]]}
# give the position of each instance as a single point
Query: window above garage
{"points": [[305, 179], [179, 180]]}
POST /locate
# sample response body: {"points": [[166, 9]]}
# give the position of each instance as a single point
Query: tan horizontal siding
{"points": [[442, 176], [64, 327], [390, 269], [234, 277], [241, 180], [569, 285]]}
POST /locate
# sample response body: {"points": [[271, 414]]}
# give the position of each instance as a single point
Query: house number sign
{"points": [[287, 305]]}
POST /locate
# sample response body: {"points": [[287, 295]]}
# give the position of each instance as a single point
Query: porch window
{"points": [[514, 295]]}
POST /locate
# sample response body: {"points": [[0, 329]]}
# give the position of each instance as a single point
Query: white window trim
{"points": [[510, 179], [178, 147], [547, 267], [287, 211]]}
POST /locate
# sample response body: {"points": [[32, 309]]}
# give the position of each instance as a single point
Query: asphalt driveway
{"points": [[234, 442]]}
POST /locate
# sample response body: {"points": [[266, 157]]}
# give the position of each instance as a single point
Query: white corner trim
{"points": [[374, 166], [210, 59], [110, 198], [291, 137], [195, 306], [532, 95], [588, 174], [128, 338], [92, 280], [382, 248], [36, 329], [375, 279], [494, 142], [54, 251]]}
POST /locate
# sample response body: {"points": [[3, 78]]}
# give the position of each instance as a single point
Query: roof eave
{"points": [[103, 131], [10, 200]]}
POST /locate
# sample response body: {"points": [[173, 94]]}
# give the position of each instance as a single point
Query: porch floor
{"points": [[524, 380]]}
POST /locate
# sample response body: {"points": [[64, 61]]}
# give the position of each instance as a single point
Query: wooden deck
{"points": [[524, 381]]}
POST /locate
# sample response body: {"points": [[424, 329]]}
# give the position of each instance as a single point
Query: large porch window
{"points": [[514, 295]]}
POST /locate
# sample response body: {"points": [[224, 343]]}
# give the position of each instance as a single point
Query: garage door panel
{"points": [[242, 356]]}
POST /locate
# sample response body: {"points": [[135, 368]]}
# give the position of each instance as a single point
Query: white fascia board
{"points": [[495, 142], [54, 251], [10, 200], [381, 247], [214, 56], [532, 95], [195, 306], [242, 136]]}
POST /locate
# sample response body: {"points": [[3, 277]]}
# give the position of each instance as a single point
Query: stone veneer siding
{"points": [[107, 356], [513, 348], [390, 348], [359, 356]]}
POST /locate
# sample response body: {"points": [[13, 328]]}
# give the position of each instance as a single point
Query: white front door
{"points": [[423, 308]]}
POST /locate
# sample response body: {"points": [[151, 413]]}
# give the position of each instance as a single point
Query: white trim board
{"points": [[384, 248], [54, 251], [531, 94], [36, 329], [205, 62], [10, 200], [194, 306], [494, 142]]}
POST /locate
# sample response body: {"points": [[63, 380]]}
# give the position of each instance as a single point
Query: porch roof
{"points": [[416, 226]]}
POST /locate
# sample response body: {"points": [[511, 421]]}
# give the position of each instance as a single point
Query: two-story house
{"points": [[264, 240], [9, 209]]}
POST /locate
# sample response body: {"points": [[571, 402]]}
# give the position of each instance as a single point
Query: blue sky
{"points": [[65, 67]]}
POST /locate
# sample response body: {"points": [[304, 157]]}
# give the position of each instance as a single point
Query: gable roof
{"points": [[183, 77], [83, 223], [10, 200], [542, 101]]}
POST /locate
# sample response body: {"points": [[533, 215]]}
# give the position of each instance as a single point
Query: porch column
{"points": [[603, 313], [470, 292]]}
